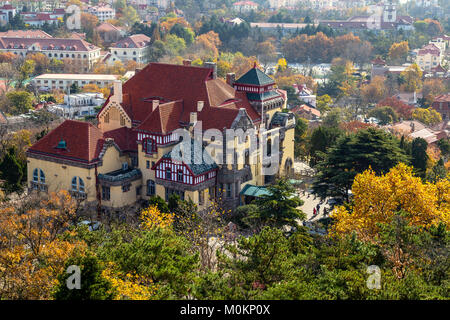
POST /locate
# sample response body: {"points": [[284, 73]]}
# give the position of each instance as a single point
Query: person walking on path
{"points": [[314, 212]]}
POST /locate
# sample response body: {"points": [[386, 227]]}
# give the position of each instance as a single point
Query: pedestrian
{"points": [[325, 212], [314, 212]]}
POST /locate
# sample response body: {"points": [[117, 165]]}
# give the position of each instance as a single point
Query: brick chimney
{"points": [[231, 78], [200, 105], [187, 62], [155, 104], [211, 65]]}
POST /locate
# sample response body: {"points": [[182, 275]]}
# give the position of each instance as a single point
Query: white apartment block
{"points": [[63, 81], [134, 47], [79, 53], [103, 13]]}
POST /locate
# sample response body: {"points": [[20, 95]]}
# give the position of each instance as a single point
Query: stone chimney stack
{"points": [[117, 96], [211, 65], [187, 62], [231, 78], [155, 104], [200, 105]]}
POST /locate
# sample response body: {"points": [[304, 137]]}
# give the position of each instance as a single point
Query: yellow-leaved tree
{"points": [[33, 249], [377, 199]]}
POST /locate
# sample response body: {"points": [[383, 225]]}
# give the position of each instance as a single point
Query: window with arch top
{"points": [[78, 185]]}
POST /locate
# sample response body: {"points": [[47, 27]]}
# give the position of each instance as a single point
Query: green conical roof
{"points": [[255, 77]]}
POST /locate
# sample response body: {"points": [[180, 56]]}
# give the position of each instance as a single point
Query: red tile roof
{"points": [[47, 44], [25, 34], [84, 142], [134, 41], [164, 119], [125, 138], [185, 85]]}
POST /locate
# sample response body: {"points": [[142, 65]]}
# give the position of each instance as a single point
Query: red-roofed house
{"points": [[133, 153], [134, 47], [78, 53], [442, 105], [428, 57], [109, 32], [304, 111]]}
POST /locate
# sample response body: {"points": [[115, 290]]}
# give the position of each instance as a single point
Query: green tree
{"points": [[11, 171], [278, 207], [20, 102], [92, 284], [159, 203], [385, 115], [419, 156], [321, 139], [156, 51], [353, 154]]}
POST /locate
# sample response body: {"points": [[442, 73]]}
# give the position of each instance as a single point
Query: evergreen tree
{"points": [[353, 154], [419, 156], [11, 171]]}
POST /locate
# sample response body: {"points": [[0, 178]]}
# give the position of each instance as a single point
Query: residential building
{"points": [[307, 112], [25, 34], [102, 12], [77, 53], [305, 94], [428, 57], [134, 47], [110, 33], [442, 105], [7, 12], [384, 18], [63, 81], [78, 105], [245, 6], [134, 152], [38, 19]]}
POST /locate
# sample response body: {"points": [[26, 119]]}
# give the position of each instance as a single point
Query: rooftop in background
{"points": [[134, 41], [76, 76], [281, 24], [26, 34]]}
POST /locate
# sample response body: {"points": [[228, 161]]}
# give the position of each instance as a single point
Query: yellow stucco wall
{"points": [[119, 199]]}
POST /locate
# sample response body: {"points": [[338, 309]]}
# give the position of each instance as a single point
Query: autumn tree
{"points": [[398, 52], [427, 116], [402, 109], [33, 231], [412, 78], [374, 91], [377, 198]]}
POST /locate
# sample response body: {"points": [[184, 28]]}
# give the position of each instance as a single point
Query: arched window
{"points": [[35, 175], [269, 147], [78, 185], [38, 175], [42, 175]]}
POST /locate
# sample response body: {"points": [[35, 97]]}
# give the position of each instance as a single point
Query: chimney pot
{"points": [[231, 78], [211, 65], [200, 105]]}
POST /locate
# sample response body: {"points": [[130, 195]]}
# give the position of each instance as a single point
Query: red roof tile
{"points": [[84, 142]]}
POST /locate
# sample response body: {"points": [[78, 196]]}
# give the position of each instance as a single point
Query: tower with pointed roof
{"points": [[261, 92]]}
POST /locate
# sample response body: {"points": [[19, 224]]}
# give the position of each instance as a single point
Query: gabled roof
{"points": [[200, 163], [134, 41], [125, 138], [255, 77], [83, 142], [164, 119]]}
